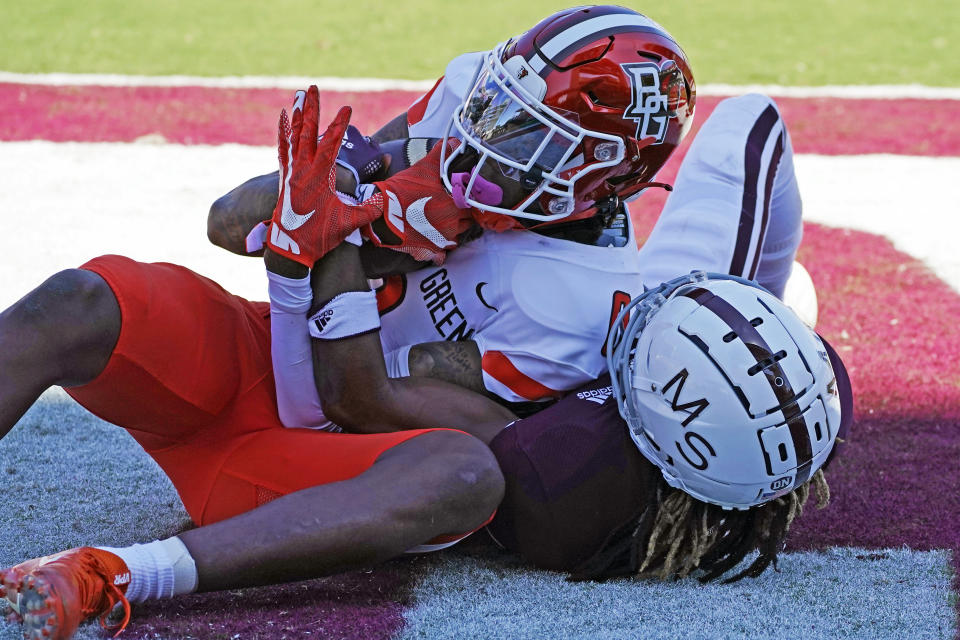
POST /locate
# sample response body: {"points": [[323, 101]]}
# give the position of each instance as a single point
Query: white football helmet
{"points": [[724, 389]]}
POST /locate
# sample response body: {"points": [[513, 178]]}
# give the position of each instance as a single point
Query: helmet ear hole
{"points": [[607, 207]]}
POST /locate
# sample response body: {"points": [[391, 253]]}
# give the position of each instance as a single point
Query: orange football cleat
{"points": [[52, 595]]}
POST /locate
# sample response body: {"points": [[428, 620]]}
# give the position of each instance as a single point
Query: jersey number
{"points": [[391, 293], [620, 300]]}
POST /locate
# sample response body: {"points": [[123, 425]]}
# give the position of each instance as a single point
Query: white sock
{"points": [[158, 569]]}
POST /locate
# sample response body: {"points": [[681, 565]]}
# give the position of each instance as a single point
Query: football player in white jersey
{"points": [[543, 171], [739, 174], [192, 371]]}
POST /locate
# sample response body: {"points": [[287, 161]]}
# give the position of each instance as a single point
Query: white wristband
{"points": [[289, 295], [347, 315]]}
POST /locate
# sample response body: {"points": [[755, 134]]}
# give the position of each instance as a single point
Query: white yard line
{"points": [[914, 201], [877, 91], [386, 84], [63, 203]]}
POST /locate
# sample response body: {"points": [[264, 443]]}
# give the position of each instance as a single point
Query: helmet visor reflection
{"points": [[498, 120]]}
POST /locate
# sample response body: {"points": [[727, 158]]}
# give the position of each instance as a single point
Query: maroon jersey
{"points": [[572, 476]]}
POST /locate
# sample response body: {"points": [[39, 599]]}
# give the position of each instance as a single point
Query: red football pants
{"points": [[191, 380]]}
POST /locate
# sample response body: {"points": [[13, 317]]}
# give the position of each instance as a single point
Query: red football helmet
{"points": [[582, 110]]}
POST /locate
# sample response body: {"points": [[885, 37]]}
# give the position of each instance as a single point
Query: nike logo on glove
{"points": [[281, 240], [416, 216], [395, 212], [289, 218]]}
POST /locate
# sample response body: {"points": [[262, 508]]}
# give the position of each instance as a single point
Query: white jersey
{"points": [[430, 115], [538, 308]]}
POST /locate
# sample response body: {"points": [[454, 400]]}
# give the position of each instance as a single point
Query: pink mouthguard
{"points": [[484, 191]]}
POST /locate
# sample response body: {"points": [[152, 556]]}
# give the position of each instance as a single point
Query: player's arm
{"points": [[233, 215], [349, 370], [396, 129], [458, 363], [352, 381], [379, 262]]}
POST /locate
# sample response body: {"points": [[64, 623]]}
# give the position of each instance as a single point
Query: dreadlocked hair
{"points": [[675, 534]]}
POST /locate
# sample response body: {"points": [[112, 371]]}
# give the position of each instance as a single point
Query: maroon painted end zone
{"points": [[894, 324], [188, 115], [203, 115]]}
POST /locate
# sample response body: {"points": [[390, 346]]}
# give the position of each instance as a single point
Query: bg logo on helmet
{"points": [[649, 107]]}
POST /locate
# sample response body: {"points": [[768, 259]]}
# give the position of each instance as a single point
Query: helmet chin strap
{"points": [[656, 185], [643, 186]]}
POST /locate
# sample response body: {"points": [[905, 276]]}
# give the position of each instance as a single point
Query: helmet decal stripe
{"points": [[537, 63], [561, 55], [771, 174], [801, 441], [748, 334], [592, 29], [562, 20], [752, 161]]}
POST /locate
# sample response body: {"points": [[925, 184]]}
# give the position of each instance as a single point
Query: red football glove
{"points": [[419, 215], [310, 219]]}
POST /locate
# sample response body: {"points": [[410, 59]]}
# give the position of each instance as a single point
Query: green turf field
{"points": [[812, 42]]}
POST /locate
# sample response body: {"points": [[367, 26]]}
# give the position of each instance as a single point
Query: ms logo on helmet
{"points": [[649, 107]]}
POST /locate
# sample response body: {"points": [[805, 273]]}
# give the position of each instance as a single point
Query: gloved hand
{"points": [[310, 218], [420, 217], [360, 155], [410, 211]]}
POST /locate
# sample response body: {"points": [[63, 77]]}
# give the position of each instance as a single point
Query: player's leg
{"points": [[433, 484], [735, 207], [785, 226], [186, 352], [430, 484], [62, 332], [123, 338]]}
